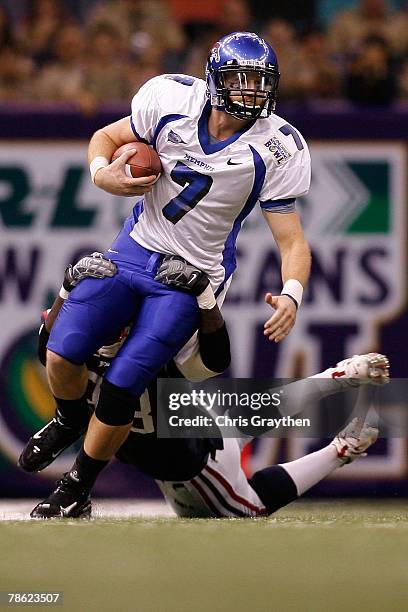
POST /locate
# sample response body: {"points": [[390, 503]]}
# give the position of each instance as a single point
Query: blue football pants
{"points": [[98, 309]]}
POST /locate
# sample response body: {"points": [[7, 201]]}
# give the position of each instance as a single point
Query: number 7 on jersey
{"points": [[196, 186]]}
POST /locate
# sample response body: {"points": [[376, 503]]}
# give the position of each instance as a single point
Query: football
{"points": [[144, 162]]}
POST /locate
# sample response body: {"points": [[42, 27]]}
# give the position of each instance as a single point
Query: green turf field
{"points": [[309, 557]]}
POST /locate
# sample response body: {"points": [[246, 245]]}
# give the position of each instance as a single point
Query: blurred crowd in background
{"points": [[89, 53]]}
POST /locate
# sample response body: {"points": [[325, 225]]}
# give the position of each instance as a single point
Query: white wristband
{"points": [[63, 293], [96, 164], [294, 289], [206, 300]]}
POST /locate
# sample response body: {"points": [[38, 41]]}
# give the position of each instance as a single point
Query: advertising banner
{"points": [[354, 218]]}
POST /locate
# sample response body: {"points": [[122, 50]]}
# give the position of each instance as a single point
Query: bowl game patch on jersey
{"points": [[280, 154]]}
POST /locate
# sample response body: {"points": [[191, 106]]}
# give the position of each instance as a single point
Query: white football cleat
{"points": [[371, 368], [354, 440]]}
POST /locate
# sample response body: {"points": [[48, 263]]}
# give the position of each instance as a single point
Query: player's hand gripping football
{"points": [[179, 273], [92, 266], [278, 326], [113, 178]]}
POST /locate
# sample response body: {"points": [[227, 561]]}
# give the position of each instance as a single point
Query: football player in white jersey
{"points": [[223, 151]]}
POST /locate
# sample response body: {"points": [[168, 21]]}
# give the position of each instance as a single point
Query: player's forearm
{"points": [[53, 313], [101, 145], [211, 320], [46, 328], [296, 261], [105, 141], [112, 176], [214, 340]]}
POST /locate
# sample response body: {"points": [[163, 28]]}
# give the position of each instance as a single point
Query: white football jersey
{"points": [[208, 187]]}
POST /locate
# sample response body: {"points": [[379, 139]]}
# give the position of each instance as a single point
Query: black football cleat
{"points": [[69, 500], [45, 445]]}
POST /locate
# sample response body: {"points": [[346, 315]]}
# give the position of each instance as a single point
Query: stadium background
{"points": [[67, 68]]}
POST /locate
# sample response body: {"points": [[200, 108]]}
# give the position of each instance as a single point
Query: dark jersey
{"points": [[160, 458]]}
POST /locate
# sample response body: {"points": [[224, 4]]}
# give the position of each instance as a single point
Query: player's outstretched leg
{"points": [[69, 500], [281, 484]]}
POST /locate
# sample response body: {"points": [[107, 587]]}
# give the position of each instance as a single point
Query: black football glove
{"points": [[92, 266], [177, 272]]}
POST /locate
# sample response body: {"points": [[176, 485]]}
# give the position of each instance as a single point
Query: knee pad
{"points": [[274, 487], [116, 405]]}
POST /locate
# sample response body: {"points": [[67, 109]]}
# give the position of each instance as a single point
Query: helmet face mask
{"points": [[247, 93], [242, 76]]}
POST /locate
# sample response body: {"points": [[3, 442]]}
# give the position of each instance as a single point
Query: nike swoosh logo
{"points": [[231, 163], [68, 509], [193, 277], [37, 436], [112, 251]]}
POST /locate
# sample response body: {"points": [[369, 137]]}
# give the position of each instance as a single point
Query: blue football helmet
{"points": [[242, 76]]}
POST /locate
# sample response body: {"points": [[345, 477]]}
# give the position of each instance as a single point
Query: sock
{"points": [[72, 413], [311, 469], [86, 469]]}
